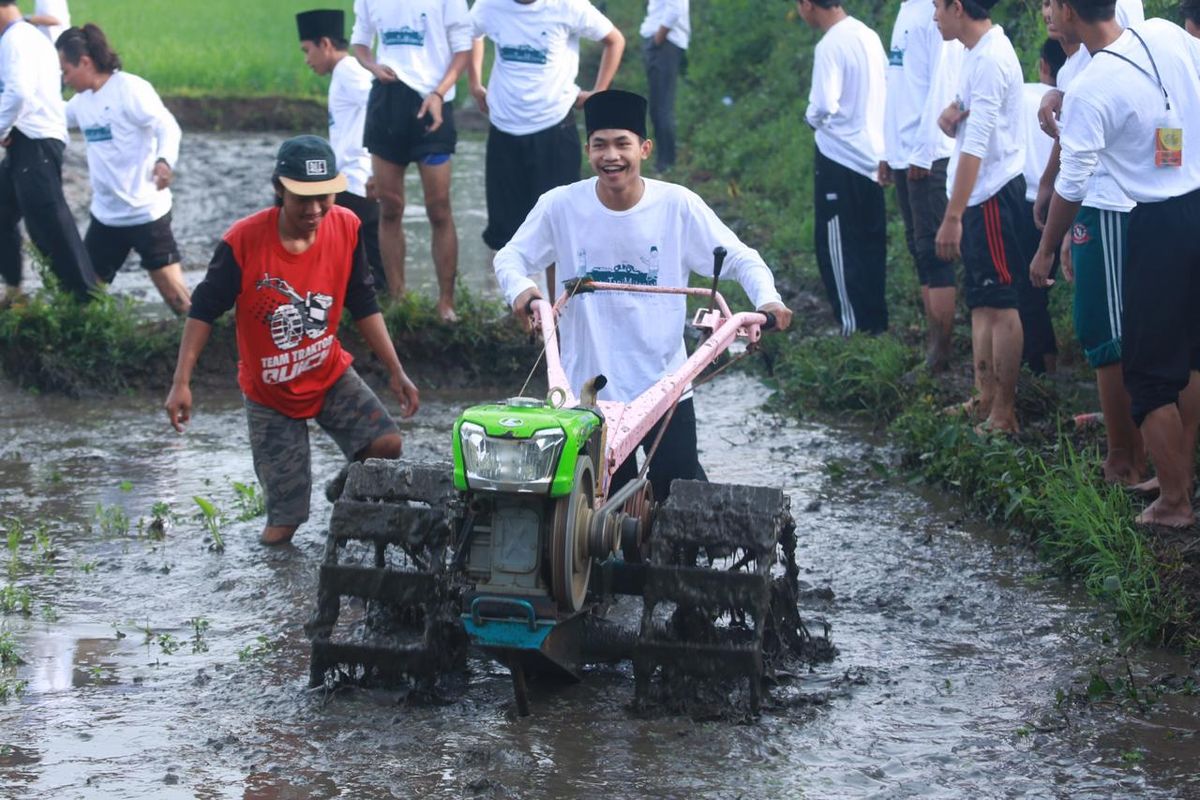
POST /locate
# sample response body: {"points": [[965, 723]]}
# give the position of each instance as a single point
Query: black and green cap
{"points": [[307, 166]]}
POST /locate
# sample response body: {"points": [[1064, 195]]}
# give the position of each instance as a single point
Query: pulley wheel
{"points": [[570, 565]]}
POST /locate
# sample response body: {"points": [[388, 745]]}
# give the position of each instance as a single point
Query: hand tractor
{"points": [[520, 546]]}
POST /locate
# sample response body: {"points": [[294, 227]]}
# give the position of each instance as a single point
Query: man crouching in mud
{"points": [[652, 232], [289, 285]]}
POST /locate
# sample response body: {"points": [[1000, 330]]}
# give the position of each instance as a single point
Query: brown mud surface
{"points": [[156, 667]]}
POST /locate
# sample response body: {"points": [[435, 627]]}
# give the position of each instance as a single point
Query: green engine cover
{"points": [[521, 418]]}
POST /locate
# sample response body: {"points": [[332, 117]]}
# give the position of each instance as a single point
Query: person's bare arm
{"points": [[432, 104], [375, 333], [179, 400], [48, 20], [382, 72], [610, 60], [475, 76], [1058, 222]]}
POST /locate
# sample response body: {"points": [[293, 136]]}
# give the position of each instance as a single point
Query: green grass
{"points": [[211, 48]]}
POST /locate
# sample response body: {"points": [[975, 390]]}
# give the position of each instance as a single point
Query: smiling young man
{"points": [[985, 212], [290, 270], [1135, 110], [655, 234], [323, 40]]}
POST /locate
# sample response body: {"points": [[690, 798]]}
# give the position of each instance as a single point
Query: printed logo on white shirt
{"points": [[896, 57], [623, 272], [524, 54], [405, 35], [98, 133]]}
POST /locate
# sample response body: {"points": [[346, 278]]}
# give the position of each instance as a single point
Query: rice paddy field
{"points": [[242, 48]]}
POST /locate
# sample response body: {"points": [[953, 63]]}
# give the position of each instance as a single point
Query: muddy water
{"points": [[164, 669], [222, 177]]}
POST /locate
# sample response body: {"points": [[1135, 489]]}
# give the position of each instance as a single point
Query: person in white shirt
{"points": [[1134, 110], [665, 33], [132, 143], [33, 131], [533, 141], [846, 109], [421, 47], [1040, 350], [323, 41], [650, 233], [51, 17], [1093, 256], [986, 207], [922, 79]]}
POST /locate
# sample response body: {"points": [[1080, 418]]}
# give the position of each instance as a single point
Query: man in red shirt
{"points": [[290, 270]]}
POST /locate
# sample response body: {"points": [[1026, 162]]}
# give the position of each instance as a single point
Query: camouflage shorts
{"points": [[352, 415]]}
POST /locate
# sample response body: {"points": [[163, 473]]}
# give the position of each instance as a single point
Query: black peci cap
{"points": [[312, 25], [307, 166], [615, 110]]}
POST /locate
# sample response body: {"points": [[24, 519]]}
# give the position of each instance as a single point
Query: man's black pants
{"points": [[662, 75], [851, 243], [31, 188], [367, 211], [676, 456]]}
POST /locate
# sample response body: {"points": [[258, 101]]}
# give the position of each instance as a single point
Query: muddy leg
{"points": [[1126, 459], [389, 184]]}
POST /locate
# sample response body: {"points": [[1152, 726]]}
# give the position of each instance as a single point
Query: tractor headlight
{"points": [[510, 465]]}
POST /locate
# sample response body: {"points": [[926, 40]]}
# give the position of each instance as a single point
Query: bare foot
{"points": [[997, 425], [1158, 513], [1126, 475], [447, 314], [1147, 487], [972, 409]]}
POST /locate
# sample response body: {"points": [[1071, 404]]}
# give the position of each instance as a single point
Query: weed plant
{"points": [[211, 518], [249, 499]]}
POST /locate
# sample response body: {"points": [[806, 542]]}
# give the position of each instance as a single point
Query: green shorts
{"points": [[1098, 247], [352, 415]]}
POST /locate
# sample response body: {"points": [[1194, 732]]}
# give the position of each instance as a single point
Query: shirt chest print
{"points": [[405, 35], [525, 53], [294, 318], [623, 271]]}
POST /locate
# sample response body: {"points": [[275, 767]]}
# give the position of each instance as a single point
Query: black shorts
{"points": [[1160, 343], [393, 132], [993, 248], [109, 245], [520, 169]]}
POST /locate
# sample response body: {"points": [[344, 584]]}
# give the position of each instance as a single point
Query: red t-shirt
{"points": [[288, 307]]}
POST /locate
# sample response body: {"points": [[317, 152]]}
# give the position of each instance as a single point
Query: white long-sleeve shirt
{"points": [[921, 81], [532, 85], [127, 129], [30, 85], [1038, 143], [849, 93], [416, 38], [670, 14], [632, 339], [349, 86], [1113, 111], [991, 89]]}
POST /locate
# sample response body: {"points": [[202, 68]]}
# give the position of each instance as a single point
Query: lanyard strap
{"points": [[1156, 77]]}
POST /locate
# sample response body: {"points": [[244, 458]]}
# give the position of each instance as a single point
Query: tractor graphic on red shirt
{"points": [[303, 316]]}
